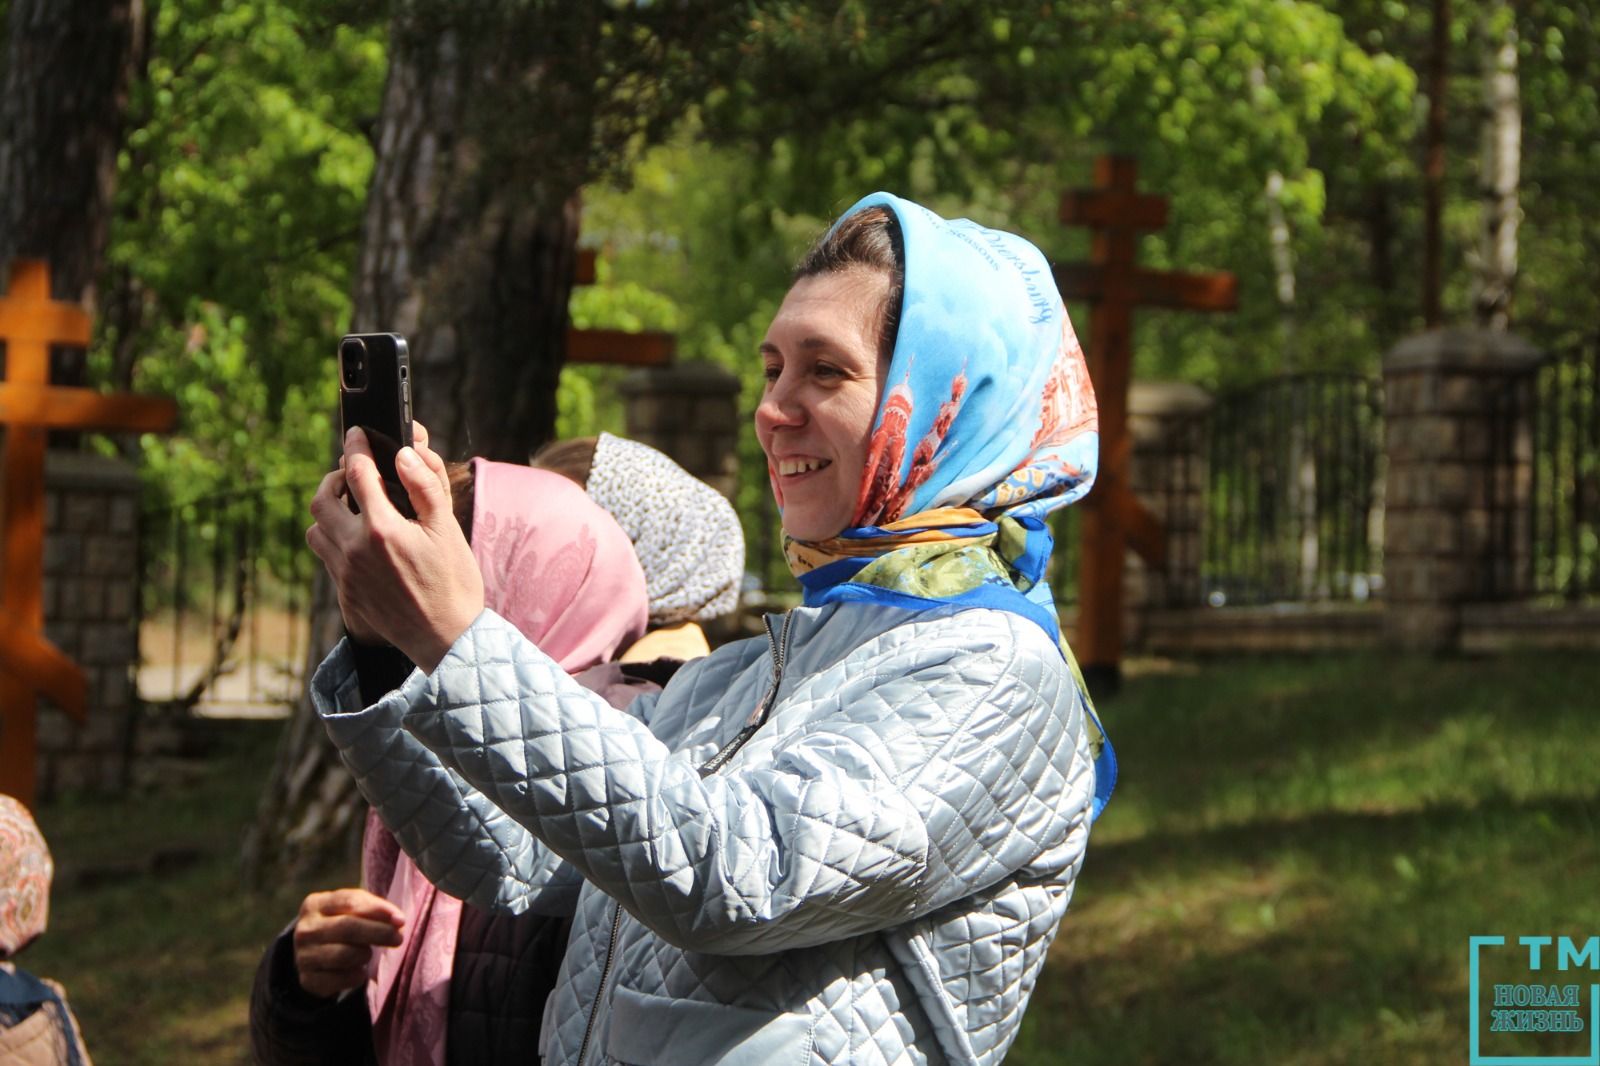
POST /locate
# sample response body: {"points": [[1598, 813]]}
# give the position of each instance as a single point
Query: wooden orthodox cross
{"points": [[30, 666], [1114, 520], [615, 347]]}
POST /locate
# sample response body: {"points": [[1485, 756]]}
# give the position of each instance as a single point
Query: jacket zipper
{"points": [[605, 973], [780, 653]]}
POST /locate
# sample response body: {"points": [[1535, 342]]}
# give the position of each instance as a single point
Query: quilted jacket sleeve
{"points": [[930, 764], [460, 841]]}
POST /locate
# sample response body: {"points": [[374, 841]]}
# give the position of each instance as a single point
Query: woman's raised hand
{"points": [[334, 936], [415, 583]]}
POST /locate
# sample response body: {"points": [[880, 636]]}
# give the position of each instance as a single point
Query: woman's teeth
{"points": [[789, 467]]}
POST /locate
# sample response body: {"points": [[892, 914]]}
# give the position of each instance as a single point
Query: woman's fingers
{"points": [[366, 484], [416, 584], [335, 935], [430, 497], [435, 463], [327, 503], [333, 524], [357, 902], [419, 434]]}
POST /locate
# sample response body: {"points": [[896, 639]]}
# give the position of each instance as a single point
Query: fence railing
{"points": [[224, 596], [1292, 503], [1544, 537]]}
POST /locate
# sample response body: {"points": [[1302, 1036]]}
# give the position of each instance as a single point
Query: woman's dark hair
{"points": [[462, 494], [869, 239], [572, 458]]}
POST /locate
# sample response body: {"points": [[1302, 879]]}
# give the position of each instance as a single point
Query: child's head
{"points": [[25, 870]]}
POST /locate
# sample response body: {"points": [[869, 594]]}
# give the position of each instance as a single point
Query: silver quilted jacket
{"points": [[851, 842]]}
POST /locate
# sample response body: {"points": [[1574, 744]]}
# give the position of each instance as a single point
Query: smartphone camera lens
{"points": [[353, 363]]}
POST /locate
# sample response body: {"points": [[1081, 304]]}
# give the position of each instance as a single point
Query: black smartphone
{"points": [[375, 394]]}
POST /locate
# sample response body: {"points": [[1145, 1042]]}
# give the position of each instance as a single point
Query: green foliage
{"points": [[240, 195], [244, 175]]}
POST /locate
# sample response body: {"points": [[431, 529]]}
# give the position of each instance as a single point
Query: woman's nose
{"points": [[779, 407]]}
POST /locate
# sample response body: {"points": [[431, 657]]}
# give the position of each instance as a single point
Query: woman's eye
{"points": [[771, 373], [825, 371]]}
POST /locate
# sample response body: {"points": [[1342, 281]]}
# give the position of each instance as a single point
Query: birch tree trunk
{"points": [[1499, 175]]}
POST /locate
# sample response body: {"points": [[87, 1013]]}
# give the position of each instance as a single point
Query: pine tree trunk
{"points": [[69, 65], [476, 271], [1500, 172]]}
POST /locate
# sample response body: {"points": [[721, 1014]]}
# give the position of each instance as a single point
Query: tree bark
{"points": [[1394, 308], [476, 274], [1499, 175], [1282, 242], [476, 271], [69, 67]]}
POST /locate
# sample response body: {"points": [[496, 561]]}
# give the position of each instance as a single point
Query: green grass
{"points": [[1288, 874], [1299, 850], [158, 965]]}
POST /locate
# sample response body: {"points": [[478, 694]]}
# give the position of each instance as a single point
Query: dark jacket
{"points": [[504, 969]]}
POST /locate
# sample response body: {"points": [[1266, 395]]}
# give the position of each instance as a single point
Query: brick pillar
{"points": [[1440, 390], [690, 411], [1168, 474], [91, 607]]}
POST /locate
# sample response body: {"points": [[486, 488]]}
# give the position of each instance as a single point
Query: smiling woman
{"points": [[893, 790], [824, 372]]}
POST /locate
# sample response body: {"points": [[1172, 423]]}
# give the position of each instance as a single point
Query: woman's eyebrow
{"points": [[806, 344]]}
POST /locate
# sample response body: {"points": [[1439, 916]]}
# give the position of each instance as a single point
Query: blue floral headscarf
{"points": [[987, 423]]}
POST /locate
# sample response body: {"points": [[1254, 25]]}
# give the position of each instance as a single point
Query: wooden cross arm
{"points": [[1113, 209], [29, 316], [618, 347], [44, 323], [42, 666], [1153, 288], [66, 408], [1141, 530]]}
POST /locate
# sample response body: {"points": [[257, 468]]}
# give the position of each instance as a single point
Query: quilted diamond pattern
{"points": [[888, 855]]}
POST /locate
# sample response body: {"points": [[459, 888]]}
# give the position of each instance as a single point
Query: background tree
{"points": [[1499, 170], [711, 142], [69, 65], [492, 120]]}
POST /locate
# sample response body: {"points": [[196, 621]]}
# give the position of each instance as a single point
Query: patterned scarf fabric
{"points": [[25, 872], [989, 382], [560, 569], [686, 535]]}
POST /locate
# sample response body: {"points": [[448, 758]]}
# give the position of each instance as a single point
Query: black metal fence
{"points": [[1292, 497], [1544, 541], [224, 597]]}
